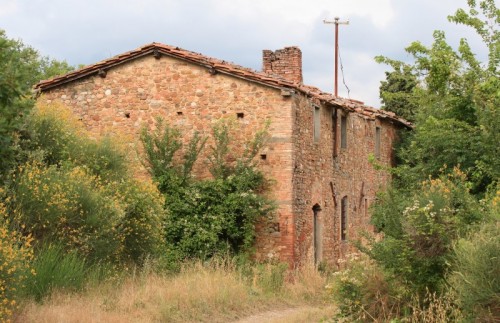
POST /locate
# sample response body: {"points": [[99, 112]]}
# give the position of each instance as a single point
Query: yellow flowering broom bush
{"points": [[75, 191], [16, 254], [68, 206]]}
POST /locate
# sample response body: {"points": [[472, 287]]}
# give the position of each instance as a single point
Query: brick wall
{"points": [[285, 63], [324, 173]]}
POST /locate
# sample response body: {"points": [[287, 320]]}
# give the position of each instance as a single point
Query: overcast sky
{"points": [[87, 31]]}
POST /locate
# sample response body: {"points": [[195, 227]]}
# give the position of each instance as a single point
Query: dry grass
{"points": [[202, 293], [293, 315]]}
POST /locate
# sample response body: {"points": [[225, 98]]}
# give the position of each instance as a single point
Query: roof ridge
{"points": [[217, 65]]}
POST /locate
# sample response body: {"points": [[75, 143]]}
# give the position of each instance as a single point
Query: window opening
{"points": [[334, 132], [317, 123], [343, 219], [316, 234], [377, 142], [343, 132]]}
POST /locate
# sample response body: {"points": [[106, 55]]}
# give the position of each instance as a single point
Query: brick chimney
{"points": [[285, 63]]}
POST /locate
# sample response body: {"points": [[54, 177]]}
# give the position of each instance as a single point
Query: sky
{"points": [[85, 32]]}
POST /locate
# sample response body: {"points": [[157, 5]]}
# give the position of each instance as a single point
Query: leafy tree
{"points": [[457, 121], [449, 162], [397, 91], [21, 67]]}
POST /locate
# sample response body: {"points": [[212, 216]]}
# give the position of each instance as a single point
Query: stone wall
{"points": [[188, 96], [308, 166], [324, 173]]}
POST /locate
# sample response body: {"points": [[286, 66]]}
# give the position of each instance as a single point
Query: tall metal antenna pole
{"points": [[337, 23]]}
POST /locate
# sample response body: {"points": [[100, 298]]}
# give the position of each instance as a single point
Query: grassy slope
{"points": [[200, 293]]}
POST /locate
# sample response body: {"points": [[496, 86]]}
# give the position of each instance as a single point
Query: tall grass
{"points": [[59, 270], [202, 292]]}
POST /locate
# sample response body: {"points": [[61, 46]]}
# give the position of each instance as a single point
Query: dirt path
{"points": [[289, 315]]}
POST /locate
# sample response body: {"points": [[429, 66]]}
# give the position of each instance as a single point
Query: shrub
{"points": [[417, 244], [161, 147], [75, 191], [102, 221], [61, 138], [68, 206], [216, 216], [475, 280], [16, 254], [363, 292], [143, 220], [207, 217]]}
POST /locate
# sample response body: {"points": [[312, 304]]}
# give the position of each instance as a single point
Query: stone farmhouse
{"points": [[319, 147]]}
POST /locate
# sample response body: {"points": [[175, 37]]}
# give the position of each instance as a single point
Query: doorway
{"points": [[316, 234]]}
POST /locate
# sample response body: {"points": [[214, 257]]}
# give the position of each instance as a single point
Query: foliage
{"points": [[475, 277], [223, 159], [418, 241], [74, 191], [430, 216], [55, 133], [20, 68], [56, 269], [16, 254], [397, 91], [216, 216], [457, 121], [143, 220], [161, 147], [363, 292], [69, 206], [207, 217]]}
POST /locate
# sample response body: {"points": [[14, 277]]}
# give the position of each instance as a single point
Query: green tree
{"points": [[457, 121], [396, 91], [449, 162], [21, 67]]}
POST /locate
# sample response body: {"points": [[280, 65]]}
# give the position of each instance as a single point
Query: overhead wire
{"points": [[342, 70]]}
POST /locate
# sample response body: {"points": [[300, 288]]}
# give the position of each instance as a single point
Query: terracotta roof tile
{"points": [[221, 67]]}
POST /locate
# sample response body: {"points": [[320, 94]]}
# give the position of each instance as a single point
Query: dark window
{"points": [[240, 115], [343, 218], [377, 142], [343, 132], [316, 234], [317, 123], [334, 132]]}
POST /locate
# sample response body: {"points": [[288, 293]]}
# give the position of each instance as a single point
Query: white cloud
{"points": [[304, 12], [8, 7], [237, 31]]}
